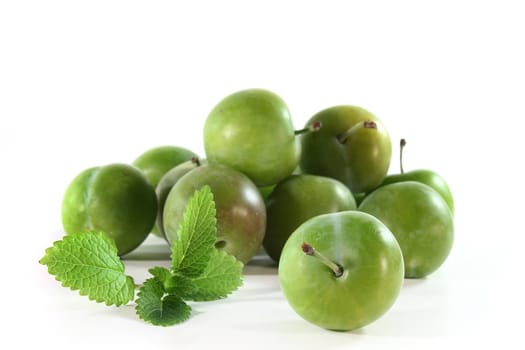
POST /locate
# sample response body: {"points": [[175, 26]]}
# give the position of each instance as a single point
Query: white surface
{"points": [[89, 83]]}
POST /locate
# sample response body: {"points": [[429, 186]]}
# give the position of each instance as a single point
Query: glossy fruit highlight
{"points": [[341, 271], [252, 132], [352, 146]]}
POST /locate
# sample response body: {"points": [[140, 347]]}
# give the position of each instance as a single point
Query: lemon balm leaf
{"points": [[222, 276], [88, 262], [195, 244], [173, 284], [161, 273], [179, 285], [156, 306]]}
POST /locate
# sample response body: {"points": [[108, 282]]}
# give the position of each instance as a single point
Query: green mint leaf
{"points": [[222, 276], [192, 250], [158, 307], [88, 262], [173, 284], [162, 273], [179, 285]]}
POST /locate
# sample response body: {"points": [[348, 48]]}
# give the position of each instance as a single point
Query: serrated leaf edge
{"points": [[154, 322], [57, 245], [196, 200], [235, 264]]}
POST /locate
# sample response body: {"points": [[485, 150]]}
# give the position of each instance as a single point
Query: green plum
{"points": [[156, 161], [252, 132], [352, 146], [241, 214], [341, 271], [421, 221], [167, 181], [425, 176], [116, 199], [297, 199]]}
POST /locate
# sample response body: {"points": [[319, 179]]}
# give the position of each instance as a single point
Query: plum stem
{"points": [[309, 250], [196, 161], [365, 124], [402, 144], [315, 126]]}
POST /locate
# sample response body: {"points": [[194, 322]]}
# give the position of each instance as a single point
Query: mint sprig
{"points": [[198, 272], [88, 262]]}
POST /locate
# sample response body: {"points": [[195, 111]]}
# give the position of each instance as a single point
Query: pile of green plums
{"points": [[319, 200]]}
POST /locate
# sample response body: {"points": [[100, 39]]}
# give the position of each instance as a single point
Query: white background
{"points": [[95, 82]]}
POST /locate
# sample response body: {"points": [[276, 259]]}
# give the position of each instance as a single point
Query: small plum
{"points": [[117, 199]]}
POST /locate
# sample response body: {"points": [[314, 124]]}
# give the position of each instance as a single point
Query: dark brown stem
{"points": [[196, 161]]}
